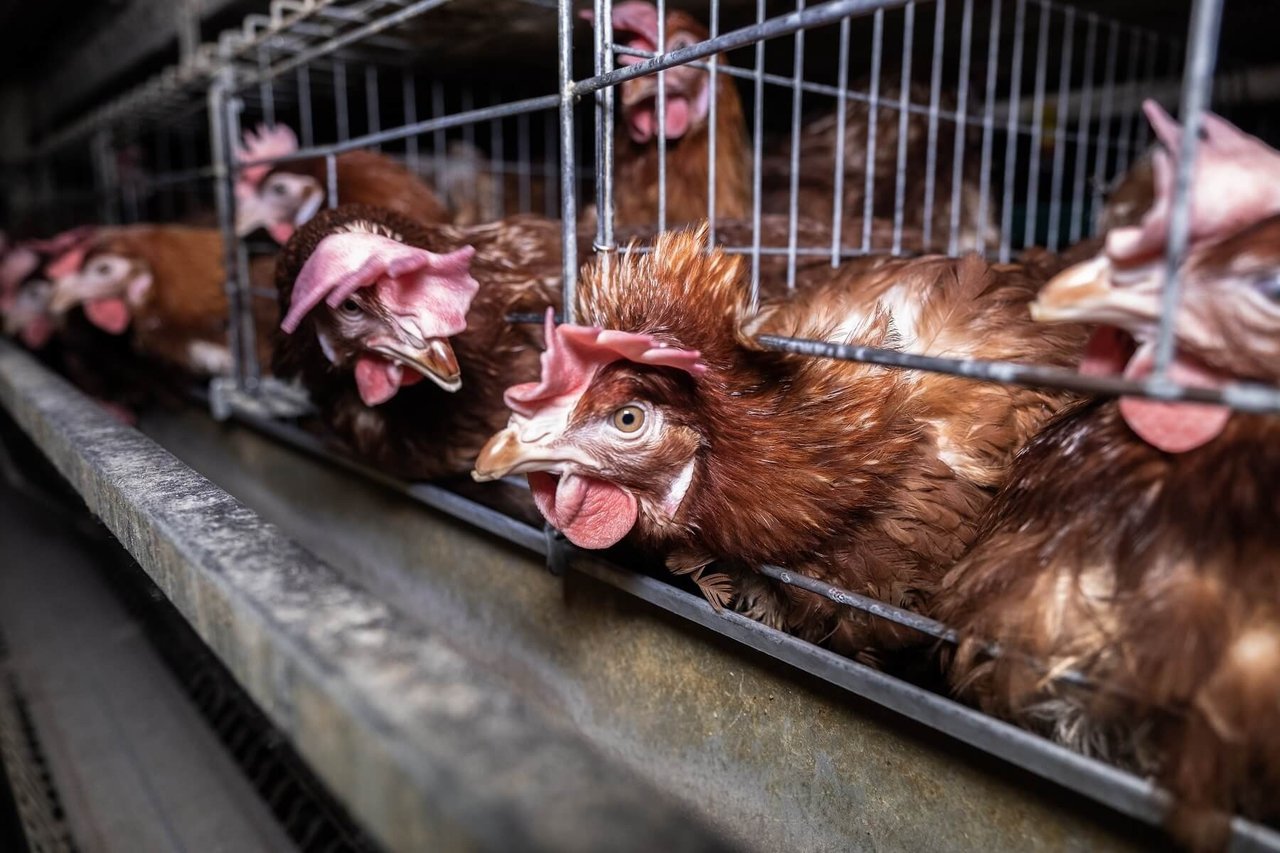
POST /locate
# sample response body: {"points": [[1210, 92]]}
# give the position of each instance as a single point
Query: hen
{"points": [[664, 420], [1135, 542], [374, 302], [165, 284], [688, 130], [283, 197], [1150, 572]]}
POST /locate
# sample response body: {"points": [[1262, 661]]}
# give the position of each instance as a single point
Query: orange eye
{"points": [[628, 419]]}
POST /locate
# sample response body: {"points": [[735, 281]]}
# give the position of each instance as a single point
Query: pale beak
{"points": [[526, 446], [502, 455], [1097, 291], [70, 291], [435, 360], [251, 214]]}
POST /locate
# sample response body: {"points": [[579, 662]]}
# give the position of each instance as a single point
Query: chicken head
{"points": [[635, 25], [597, 435], [378, 306], [28, 316], [109, 285], [271, 198]]}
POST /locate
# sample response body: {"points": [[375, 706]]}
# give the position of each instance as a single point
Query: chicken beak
{"points": [[1097, 291], [251, 214], [435, 360], [70, 291], [507, 453]]}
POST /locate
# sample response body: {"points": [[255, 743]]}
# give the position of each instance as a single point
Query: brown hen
{"points": [[359, 356], [672, 426]]}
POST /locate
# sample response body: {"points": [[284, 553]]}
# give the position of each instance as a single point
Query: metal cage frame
{"points": [[249, 63]]}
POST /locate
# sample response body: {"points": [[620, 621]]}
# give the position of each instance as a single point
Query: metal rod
{"points": [[662, 119], [497, 160], [988, 124], [604, 100], [1032, 219], [962, 106], [373, 117], [712, 117], [340, 99], [1248, 398], [842, 118], [568, 162], [757, 162], [783, 25], [1082, 133], [409, 95], [873, 117], [436, 125], [1197, 89], [1104, 118], [793, 196], [331, 179], [1063, 118], [222, 150], [438, 146], [266, 91], [304, 106], [524, 173], [904, 98], [1130, 109], [1011, 132], [935, 94]]}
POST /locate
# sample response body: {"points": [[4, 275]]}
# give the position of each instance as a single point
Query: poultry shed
{"points": [[238, 611]]}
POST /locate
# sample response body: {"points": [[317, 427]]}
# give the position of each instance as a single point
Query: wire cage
{"points": [[1009, 119]]}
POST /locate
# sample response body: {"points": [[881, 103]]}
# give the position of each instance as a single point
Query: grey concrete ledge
{"points": [[424, 749]]}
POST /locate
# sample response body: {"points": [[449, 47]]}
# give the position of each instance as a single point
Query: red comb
{"points": [[428, 291], [1236, 183], [265, 143], [575, 353], [640, 18]]}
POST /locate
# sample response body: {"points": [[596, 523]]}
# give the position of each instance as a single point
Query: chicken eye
{"points": [[102, 268], [628, 419], [1269, 286], [350, 307], [278, 189]]}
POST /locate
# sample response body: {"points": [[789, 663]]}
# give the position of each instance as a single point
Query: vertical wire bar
{"points": [[757, 162], [550, 129], [713, 81], [1082, 132], [1104, 118], [437, 136], [498, 161], [962, 130], [1060, 130], [331, 179], [842, 118], [904, 117], [164, 164], [524, 189], [873, 116], [1032, 219], [1197, 88], [468, 103], [222, 138], [340, 100], [304, 106], [1130, 108], [409, 94], [793, 197], [603, 33], [662, 119], [1011, 131], [568, 163], [372, 110], [988, 124], [935, 95], [266, 88], [1153, 60]]}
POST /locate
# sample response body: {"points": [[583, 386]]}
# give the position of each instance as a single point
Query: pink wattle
{"points": [[642, 119], [280, 232], [110, 315], [378, 379], [37, 332], [591, 513], [1174, 427]]}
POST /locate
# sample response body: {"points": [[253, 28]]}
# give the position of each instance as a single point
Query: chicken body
{"points": [[1149, 572], [425, 431], [166, 286], [860, 476]]}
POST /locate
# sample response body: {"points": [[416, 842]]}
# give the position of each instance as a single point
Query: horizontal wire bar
{"points": [[527, 105], [1243, 397]]}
